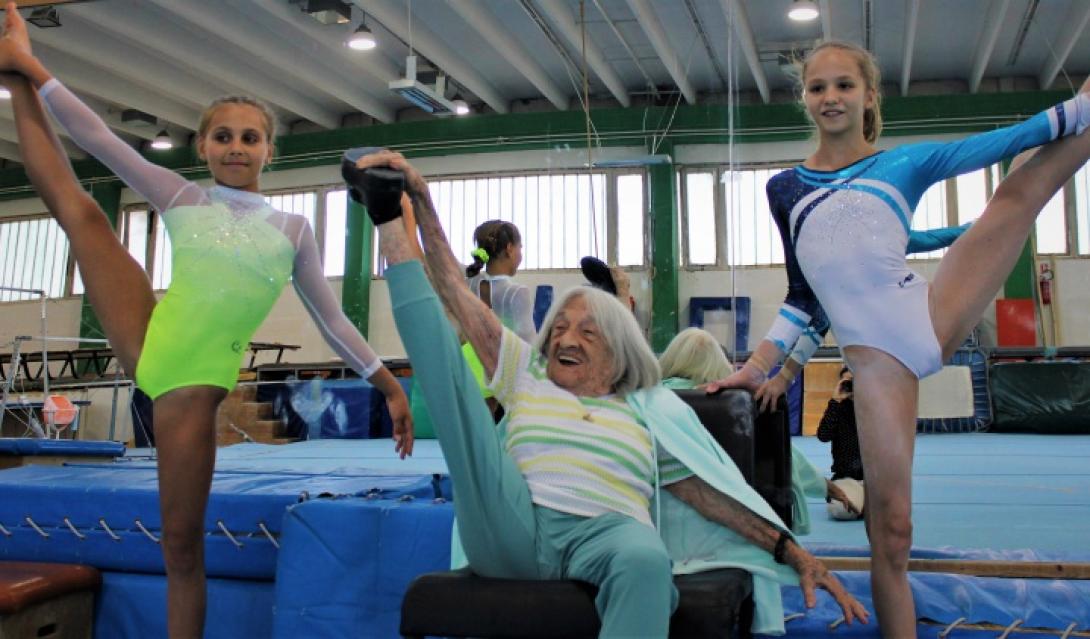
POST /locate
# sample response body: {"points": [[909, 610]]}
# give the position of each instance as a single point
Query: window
{"points": [[631, 216], [33, 255], [335, 227], [754, 238], [561, 217], [700, 214], [973, 190], [1082, 209], [718, 204], [931, 213], [1051, 227]]}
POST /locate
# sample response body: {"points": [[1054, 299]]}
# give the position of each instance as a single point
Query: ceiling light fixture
{"points": [[361, 39], [461, 107], [803, 11], [162, 142], [44, 17]]}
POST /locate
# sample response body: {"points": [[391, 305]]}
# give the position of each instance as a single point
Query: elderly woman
{"points": [[694, 358], [568, 490]]}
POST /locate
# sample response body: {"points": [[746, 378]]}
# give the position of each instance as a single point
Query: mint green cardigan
{"points": [[806, 479], [694, 543]]}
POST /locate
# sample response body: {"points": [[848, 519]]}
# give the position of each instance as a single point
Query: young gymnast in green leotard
{"points": [[232, 255]]}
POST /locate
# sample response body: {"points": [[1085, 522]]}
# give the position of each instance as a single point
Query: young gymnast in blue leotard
{"points": [[810, 340], [844, 216]]}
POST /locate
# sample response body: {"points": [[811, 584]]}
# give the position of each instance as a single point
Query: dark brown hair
{"points": [[494, 236]]}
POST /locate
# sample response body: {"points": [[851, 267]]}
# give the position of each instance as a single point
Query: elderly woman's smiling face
{"points": [[579, 359]]}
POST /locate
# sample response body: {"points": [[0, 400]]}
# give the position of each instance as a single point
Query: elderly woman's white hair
{"points": [[634, 365], [695, 355]]}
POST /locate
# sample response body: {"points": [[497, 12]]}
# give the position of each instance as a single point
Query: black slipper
{"points": [[597, 273], [377, 188]]}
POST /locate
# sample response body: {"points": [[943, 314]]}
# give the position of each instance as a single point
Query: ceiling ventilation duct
{"points": [[429, 98]]}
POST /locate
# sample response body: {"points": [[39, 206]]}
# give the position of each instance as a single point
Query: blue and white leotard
{"points": [[845, 234]]}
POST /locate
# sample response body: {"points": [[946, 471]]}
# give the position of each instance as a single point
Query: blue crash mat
{"points": [[331, 584], [942, 599], [93, 514], [133, 606], [66, 447]]}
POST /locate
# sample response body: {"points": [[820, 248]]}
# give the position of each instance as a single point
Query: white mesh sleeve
{"points": [[522, 313], [319, 300], [162, 187]]}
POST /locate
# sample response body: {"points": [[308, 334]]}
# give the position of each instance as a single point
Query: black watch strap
{"points": [[781, 547]]}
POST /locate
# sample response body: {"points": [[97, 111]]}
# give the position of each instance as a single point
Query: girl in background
{"points": [[498, 255]]}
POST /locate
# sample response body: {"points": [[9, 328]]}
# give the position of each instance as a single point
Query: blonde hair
{"points": [[872, 78], [634, 365], [266, 113], [695, 355]]}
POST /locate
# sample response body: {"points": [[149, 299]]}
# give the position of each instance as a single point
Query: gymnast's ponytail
{"points": [[492, 239]]}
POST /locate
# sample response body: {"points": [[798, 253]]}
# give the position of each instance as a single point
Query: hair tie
{"points": [[480, 254]]}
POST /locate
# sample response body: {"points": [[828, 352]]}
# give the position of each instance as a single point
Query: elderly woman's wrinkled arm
{"points": [[480, 325], [723, 509]]}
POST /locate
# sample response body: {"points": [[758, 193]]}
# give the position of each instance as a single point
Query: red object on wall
{"points": [[1016, 322]]}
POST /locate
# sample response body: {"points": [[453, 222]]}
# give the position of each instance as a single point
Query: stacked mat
{"points": [[107, 516]]}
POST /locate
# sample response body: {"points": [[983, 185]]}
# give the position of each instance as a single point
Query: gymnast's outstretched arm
{"points": [[162, 187], [322, 305]]}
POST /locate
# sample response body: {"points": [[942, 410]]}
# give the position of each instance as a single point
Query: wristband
{"points": [[781, 547], [760, 362]]}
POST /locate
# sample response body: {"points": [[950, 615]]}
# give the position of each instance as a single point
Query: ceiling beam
{"points": [[911, 19], [158, 33], [82, 40], [10, 151], [1074, 24], [499, 37], [330, 38], [218, 20], [560, 15], [826, 20], [111, 115], [652, 26], [87, 78], [435, 50], [7, 114], [992, 24], [737, 17], [9, 132]]}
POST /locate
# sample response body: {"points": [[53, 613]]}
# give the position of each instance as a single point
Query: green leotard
{"points": [[232, 254], [228, 271]]}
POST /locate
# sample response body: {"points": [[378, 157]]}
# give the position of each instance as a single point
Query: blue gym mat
{"points": [[107, 515], [975, 496]]}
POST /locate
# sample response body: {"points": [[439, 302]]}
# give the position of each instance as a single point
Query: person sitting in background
{"points": [[694, 358], [838, 426], [611, 279]]}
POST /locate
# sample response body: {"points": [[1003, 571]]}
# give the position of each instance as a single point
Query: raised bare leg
{"points": [[185, 438], [980, 261], [117, 287], [885, 409]]}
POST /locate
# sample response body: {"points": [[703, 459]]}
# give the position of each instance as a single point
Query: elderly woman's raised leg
{"points": [[493, 506]]}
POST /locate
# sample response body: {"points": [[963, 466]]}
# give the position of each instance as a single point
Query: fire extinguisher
{"points": [[1045, 282]]}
